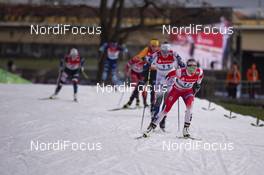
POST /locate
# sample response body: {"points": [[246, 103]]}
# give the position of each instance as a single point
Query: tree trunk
{"points": [[103, 38]]}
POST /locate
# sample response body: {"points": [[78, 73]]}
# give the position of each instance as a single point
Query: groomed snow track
{"points": [[26, 117]]}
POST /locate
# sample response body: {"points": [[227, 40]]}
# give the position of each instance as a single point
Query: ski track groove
{"points": [[203, 158]]}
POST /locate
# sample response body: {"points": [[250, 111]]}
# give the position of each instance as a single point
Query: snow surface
{"points": [[25, 117]]}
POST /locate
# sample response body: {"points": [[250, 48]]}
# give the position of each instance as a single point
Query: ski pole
{"points": [[143, 114], [85, 75], [179, 115], [121, 98], [59, 76]]}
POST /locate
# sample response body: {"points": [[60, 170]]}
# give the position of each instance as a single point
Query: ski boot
{"points": [[150, 128], [162, 129], [137, 103], [185, 131], [53, 96], [75, 97], [127, 105], [162, 124]]}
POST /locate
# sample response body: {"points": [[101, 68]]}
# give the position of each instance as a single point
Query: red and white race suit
{"points": [[134, 69], [164, 65], [72, 63], [182, 87]]}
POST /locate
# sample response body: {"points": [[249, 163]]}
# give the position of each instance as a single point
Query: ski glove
{"points": [[149, 59], [170, 78], [196, 88], [180, 62]]}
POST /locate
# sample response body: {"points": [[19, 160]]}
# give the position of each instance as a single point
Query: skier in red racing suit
{"points": [[70, 67], [186, 83], [134, 69]]}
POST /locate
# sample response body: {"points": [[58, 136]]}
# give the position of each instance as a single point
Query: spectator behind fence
{"points": [[233, 80], [252, 77], [11, 67]]}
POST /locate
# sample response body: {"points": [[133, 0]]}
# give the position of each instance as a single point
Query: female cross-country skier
{"points": [[164, 61], [70, 67], [186, 83], [145, 74], [112, 50], [134, 70]]}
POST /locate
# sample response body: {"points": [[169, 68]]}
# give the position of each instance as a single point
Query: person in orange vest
{"points": [[252, 77], [233, 80]]}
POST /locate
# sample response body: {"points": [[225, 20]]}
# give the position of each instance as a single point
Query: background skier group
{"points": [[156, 66]]}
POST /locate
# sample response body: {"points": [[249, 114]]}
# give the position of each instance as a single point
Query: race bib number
{"points": [[165, 67], [185, 85]]}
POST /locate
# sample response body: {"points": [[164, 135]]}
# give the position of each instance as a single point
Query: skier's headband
{"points": [[165, 47], [154, 42]]}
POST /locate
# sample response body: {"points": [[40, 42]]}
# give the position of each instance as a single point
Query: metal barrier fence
{"points": [[213, 88]]}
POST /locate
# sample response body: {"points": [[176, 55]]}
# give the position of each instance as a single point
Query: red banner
{"points": [[211, 40]]}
